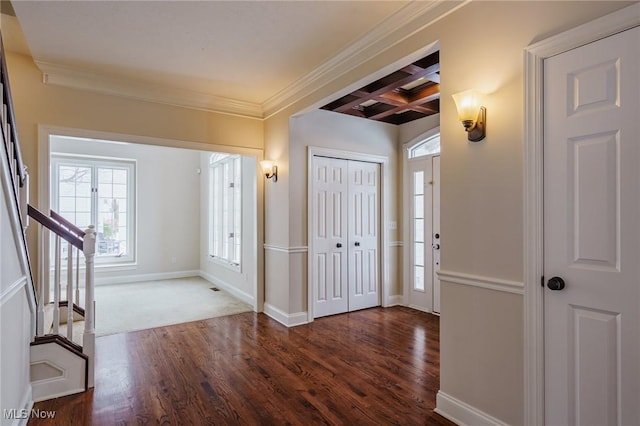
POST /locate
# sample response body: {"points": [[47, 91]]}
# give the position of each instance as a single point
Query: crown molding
{"points": [[412, 18], [407, 21], [75, 78]]}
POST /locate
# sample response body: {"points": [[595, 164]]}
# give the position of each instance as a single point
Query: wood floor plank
{"points": [[375, 366]]}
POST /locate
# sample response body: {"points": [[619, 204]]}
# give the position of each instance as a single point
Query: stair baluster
{"points": [[56, 287], [69, 291], [41, 296], [77, 299]]}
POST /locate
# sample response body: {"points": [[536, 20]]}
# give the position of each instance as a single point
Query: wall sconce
{"points": [[471, 114], [269, 169]]}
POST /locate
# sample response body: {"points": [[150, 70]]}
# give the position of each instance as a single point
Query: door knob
{"points": [[435, 246], [339, 245], [357, 244], [555, 283]]}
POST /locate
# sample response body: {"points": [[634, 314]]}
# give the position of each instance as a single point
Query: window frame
{"points": [[94, 163], [428, 137], [231, 219]]}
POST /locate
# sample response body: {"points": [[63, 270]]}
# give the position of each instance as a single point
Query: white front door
{"points": [[330, 236], [362, 228], [592, 233], [424, 226], [345, 246]]}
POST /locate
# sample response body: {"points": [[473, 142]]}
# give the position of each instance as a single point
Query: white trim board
{"points": [[282, 249], [534, 57], [461, 413], [395, 300], [14, 288], [490, 283], [127, 279], [239, 294], [288, 320]]}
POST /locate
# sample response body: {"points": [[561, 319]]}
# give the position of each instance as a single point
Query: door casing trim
{"points": [[385, 263], [534, 57]]}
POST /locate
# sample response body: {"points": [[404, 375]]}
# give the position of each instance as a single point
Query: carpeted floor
{"points": [[129, 307]]}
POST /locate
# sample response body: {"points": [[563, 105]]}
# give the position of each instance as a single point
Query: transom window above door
{"points": [[100, 192], [429, 146]]}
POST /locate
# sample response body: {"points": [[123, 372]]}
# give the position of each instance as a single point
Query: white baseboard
{"points": [[136, 278], [395, 300], [289, 320], [238, 294], [463, 414]]}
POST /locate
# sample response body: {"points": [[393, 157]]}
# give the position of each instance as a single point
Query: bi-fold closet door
{"points": [[345, 246]]}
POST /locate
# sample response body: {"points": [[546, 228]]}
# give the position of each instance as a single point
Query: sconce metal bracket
{"points": [[478, 131]]}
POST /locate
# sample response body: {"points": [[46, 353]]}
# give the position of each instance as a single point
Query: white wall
{"points": [[168, 208], [239, 283]]}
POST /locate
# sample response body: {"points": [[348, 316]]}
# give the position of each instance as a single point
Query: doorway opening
{"points": [[165, 216]]}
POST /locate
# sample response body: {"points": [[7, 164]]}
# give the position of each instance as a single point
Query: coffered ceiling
{"points": [[405, 95]]}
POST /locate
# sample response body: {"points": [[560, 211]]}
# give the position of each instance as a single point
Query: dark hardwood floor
{"points": [[371, 367]]}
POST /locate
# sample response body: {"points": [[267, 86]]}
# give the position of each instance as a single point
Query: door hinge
{"points": [[542, 281]]}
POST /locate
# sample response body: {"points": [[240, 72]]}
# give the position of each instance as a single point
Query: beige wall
{"points": [[481, 46], [39, 104]]}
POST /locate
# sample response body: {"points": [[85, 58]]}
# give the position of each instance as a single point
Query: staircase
{"points": [[62, 352], [62, 331]]}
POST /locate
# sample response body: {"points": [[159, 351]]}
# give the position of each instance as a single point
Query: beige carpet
{"points": [[129, 307]]}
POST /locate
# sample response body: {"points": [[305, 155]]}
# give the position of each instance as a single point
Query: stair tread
{"points": [[78, 332]]}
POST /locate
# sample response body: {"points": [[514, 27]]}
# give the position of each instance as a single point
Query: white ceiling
{"points": [[245, 51]]}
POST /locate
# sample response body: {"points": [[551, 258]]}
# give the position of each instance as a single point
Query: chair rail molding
{"points": [[490, 283], [284, 249]]}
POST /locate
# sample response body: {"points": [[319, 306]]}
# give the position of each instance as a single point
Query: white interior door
{"points": [[592, 233], [436, 232], [330, 236], [345, 246], [363, 252]]}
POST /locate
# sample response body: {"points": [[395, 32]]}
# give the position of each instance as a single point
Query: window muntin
{"points": [[100, 192], [225, 218]]}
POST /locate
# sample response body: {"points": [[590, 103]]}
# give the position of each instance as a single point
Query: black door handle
{"points": [[555, 283], [339, 245], [357, 244]]}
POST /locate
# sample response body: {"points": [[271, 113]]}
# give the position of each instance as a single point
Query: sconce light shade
{"points": [[471, 114], [269, 169]]}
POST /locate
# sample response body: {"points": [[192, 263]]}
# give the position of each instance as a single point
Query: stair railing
{"points": [[17, 170], [76, 241]]}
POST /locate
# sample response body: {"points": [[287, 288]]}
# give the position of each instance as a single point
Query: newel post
{"points": [[89, 338]]}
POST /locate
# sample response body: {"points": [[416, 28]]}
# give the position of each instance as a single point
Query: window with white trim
{"points": [[429, 146], [100, 192], [225, 206]]}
